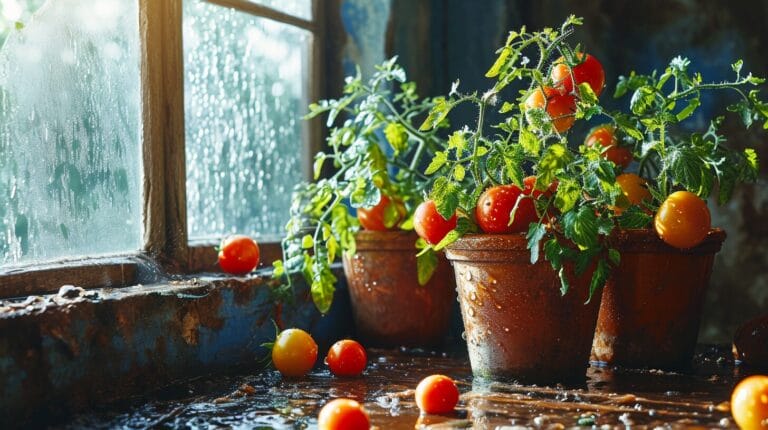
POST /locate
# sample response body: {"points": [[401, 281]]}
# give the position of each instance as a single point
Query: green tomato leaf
{"points": [[397, 136], [536, 232], [599, 277], [688, 110], [634, 217], [426, 263], [438, 113], [500, 62], [437, 162], [307, 241], [457, 141], [530, 143], [581, 227], [446, 195], [568, 193], [459, 172], [642, 100]]}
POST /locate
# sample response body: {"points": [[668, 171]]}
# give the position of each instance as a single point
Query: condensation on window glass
{"points": [[299, 8], [245, 94], [70, 155]]}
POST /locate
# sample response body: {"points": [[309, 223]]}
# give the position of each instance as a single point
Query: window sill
{"points": [[61, 354]]}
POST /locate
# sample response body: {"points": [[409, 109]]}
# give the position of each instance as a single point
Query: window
{"points": [[129, 127]]}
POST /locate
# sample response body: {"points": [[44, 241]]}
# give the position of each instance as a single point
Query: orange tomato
{"points": [[343, 414], [683, 220], [559, 106], [294, 352], [749, 403], [385, 215], [437, 394], [605, 136], [634, 189], [346, 358], [238, 254], [589, 70]]}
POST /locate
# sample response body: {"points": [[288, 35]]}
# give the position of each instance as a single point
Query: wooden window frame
{"points": [[164, 217]]}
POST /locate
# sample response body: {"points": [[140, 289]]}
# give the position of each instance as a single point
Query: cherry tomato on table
{"points": [[437, 394], [605, 136], [588, 70], [683, 220], [294, 352], [559, 106], [430, 225], [495, 205], [749, 403], [238, 254], [385, 215], [346, 358], [343, 414]]}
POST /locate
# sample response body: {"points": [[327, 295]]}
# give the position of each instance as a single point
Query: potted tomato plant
{"points": [[375, 150], [574, 209], [651, 305]]}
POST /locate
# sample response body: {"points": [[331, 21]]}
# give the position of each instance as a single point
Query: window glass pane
{"points": [[300, 8], [70, 156], [245, 93]]}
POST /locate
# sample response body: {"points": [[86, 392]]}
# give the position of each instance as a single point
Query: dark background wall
{"points": [[439, 41]]}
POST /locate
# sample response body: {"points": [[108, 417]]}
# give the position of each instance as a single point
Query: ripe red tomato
{"points": [[343, 414], [346, 358], [294, 353], [238, 254], [529, 187], [430, 225], [494, 208], [560, 106], [749, 403], [437, 394], [683, 220], [589, 70], [375, 218], [605, 135]]}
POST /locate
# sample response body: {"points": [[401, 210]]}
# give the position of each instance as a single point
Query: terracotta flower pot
{"points": [[651, 307], [517, 324], [389, 306]]}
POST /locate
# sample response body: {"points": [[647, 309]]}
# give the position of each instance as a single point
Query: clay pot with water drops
{"points": [[651, 306], [517, 323], [389, 306]]}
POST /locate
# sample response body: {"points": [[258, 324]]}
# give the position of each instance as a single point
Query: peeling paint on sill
{"points": [[63, 354]]}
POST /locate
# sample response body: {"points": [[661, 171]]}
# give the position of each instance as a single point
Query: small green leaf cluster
{"points": [[575, 225], [374, 149]]}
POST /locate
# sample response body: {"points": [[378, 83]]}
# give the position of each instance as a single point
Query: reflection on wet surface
{"points": [[607, 398]]}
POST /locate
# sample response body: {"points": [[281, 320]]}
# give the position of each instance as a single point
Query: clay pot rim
{"points": [[625, 240], [391, 240]]}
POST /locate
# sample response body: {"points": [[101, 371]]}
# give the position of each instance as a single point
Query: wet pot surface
{"points": [[517, 322], [389, 306], [265, 400], [651, 306]]}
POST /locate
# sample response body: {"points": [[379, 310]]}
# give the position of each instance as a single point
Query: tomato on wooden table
{"points": [[238, 254], [385, 215], [605, 136], [437, 394], [495, 205], [343, 414], [346, 358], [294, 352], [589, 70], [749, 403], [430, 225], [560, 106], [683, 220]]}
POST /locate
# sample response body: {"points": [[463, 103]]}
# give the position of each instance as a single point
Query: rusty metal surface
{"points": [[607, 397], [389, 306]]}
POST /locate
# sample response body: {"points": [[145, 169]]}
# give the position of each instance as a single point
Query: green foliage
{"points": [[576, 240], [321, 226]]}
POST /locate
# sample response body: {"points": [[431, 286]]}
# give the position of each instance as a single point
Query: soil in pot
{"points": [[651, 307], [389, 306], [517, 324]]}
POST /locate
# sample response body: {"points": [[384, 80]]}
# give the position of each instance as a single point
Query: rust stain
{"points": [[203, 312], [244, 291]]}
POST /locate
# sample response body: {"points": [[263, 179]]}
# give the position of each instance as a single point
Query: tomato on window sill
{"points": [[238, 254]]}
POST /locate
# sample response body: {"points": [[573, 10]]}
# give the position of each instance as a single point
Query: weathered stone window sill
{"points": [[68, 351]]}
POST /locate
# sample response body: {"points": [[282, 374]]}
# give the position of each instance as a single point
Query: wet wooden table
{"points": [[608, 398]]}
